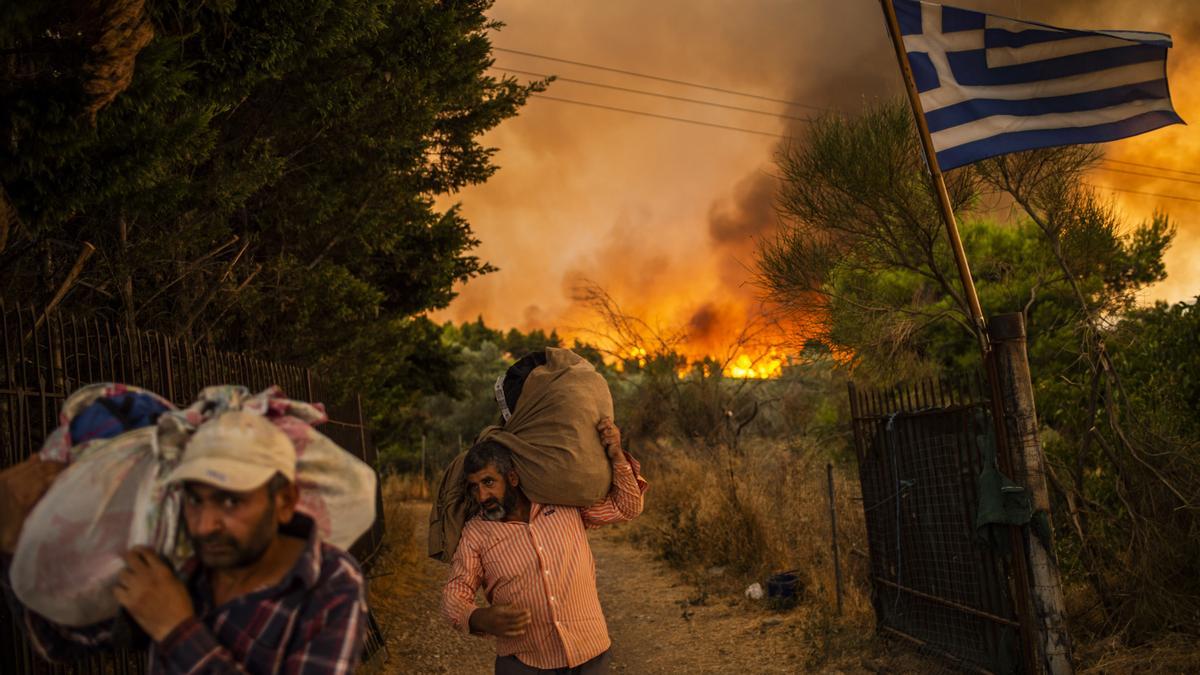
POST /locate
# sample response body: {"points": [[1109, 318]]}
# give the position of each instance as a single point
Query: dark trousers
{"points": [[511, 665]]}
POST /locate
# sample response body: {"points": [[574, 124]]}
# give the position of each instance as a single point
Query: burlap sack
{"points": [[556, 449]]}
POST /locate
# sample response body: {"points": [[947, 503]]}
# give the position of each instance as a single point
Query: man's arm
{"points": [[458, 598], [624, 500], [328, 639], [466, 575]]}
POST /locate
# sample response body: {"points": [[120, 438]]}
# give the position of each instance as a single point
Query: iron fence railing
{"points": [[48, 357]]}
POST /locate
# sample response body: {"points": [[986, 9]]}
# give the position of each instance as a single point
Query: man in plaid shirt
{"points": [[262, 595]]}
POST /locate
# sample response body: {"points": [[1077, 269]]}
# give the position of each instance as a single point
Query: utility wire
{"points": [[1151, 166], [1149, 175], [661, 117], [761, 112], [736, 93], [1139, 192], [765, 133], [652, 93], [663, 79]]}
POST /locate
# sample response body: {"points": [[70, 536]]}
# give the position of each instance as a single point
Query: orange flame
{"points": [[766, 366]]}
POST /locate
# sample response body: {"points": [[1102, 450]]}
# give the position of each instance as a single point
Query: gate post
{"points": [[1007, 332]]}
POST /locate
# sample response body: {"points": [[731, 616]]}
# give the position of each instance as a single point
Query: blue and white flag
{"points": [[991, 85]]}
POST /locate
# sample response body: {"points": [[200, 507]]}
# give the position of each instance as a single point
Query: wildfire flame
{"points": [[766, 366]]}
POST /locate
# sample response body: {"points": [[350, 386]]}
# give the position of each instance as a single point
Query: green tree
{"points": [[519, 344], [864, 250], [266, 180]]}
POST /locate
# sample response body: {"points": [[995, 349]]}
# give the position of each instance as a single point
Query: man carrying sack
{"points": [[535, 562], [262, 594]]}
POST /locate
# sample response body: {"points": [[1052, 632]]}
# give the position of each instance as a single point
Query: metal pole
{"points": [[837, 566], [1019, 567]]}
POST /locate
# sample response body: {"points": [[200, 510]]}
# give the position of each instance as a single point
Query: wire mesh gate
{"points": [[935, 585], [48, 357]]}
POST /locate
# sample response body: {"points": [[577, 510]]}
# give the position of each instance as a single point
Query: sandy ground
{"points": [[658, 622]]}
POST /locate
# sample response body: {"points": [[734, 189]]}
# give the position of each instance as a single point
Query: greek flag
{"points": [[991, 85]]}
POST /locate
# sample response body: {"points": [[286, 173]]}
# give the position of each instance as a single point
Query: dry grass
{"points": [[399, 487], [726, 532], [1170, 653], [727, 521]]}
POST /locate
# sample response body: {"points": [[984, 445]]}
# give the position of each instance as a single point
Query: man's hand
{"points": [[610, 436], [507, 621], [148, 589], [21, 486]]}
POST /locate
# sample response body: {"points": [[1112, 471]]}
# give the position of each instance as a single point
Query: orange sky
{"points": [[664, 215]]}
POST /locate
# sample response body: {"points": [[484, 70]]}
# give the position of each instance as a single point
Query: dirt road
{"points": [[658, 623]]}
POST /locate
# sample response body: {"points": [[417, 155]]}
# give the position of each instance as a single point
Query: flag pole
{"points": [[1019, 567], [939, 182]]}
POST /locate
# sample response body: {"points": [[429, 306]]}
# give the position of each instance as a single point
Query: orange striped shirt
{"points": [[546, 567]]}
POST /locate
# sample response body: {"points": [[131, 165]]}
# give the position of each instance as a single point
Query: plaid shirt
{"points": [[311, 622]]}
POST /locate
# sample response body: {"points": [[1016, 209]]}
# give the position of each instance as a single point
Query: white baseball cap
{"points": [[236, 451]]}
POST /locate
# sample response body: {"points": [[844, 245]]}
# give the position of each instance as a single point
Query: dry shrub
{"points": [[1168, 653], [753, 513], [398, 487]]}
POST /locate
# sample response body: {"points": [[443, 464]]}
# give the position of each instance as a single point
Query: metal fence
{"points": [[48, 357], [935, 585]]}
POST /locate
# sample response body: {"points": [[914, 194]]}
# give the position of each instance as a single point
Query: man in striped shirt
{"points": [[536, 567]]}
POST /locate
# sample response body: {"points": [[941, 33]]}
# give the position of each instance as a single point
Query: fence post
{"points": [[362, 431], [837, 566], [1007, 332]]}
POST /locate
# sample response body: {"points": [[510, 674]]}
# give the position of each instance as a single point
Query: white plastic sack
{"points": [[73, 543]]}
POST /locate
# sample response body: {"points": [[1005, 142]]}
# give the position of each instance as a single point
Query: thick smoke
{"points": [[666, 216]]}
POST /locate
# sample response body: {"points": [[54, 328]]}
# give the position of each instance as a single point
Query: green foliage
{"points": [[267, 180], [1157, 350], [461, 364], [864, 250]]}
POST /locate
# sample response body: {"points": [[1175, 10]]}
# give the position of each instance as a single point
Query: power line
{"points": [[740, 93], [761, 112], [1139, 192], [1149, 175], [661, 117], [765, 133], [1151, 166], [663, 79], [652, 93]]}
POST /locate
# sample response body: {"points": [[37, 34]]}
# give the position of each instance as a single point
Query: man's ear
{"points": [[513, 478], [285, 503]]}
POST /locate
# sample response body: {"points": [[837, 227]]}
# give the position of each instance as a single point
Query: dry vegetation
{"points": [[746, 516], [721, 521], [728, 520]]}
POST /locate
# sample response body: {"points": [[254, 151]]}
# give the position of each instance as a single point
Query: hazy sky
{"points": [[663, 214]]}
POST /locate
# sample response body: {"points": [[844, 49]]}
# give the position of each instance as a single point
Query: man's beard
{"points": [[221, 551], [497, 510]]}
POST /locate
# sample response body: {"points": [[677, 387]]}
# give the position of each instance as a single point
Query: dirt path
{"points": [[658, 623]]}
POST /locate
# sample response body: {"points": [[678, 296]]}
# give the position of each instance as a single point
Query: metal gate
{"points": [[935, 584]]}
